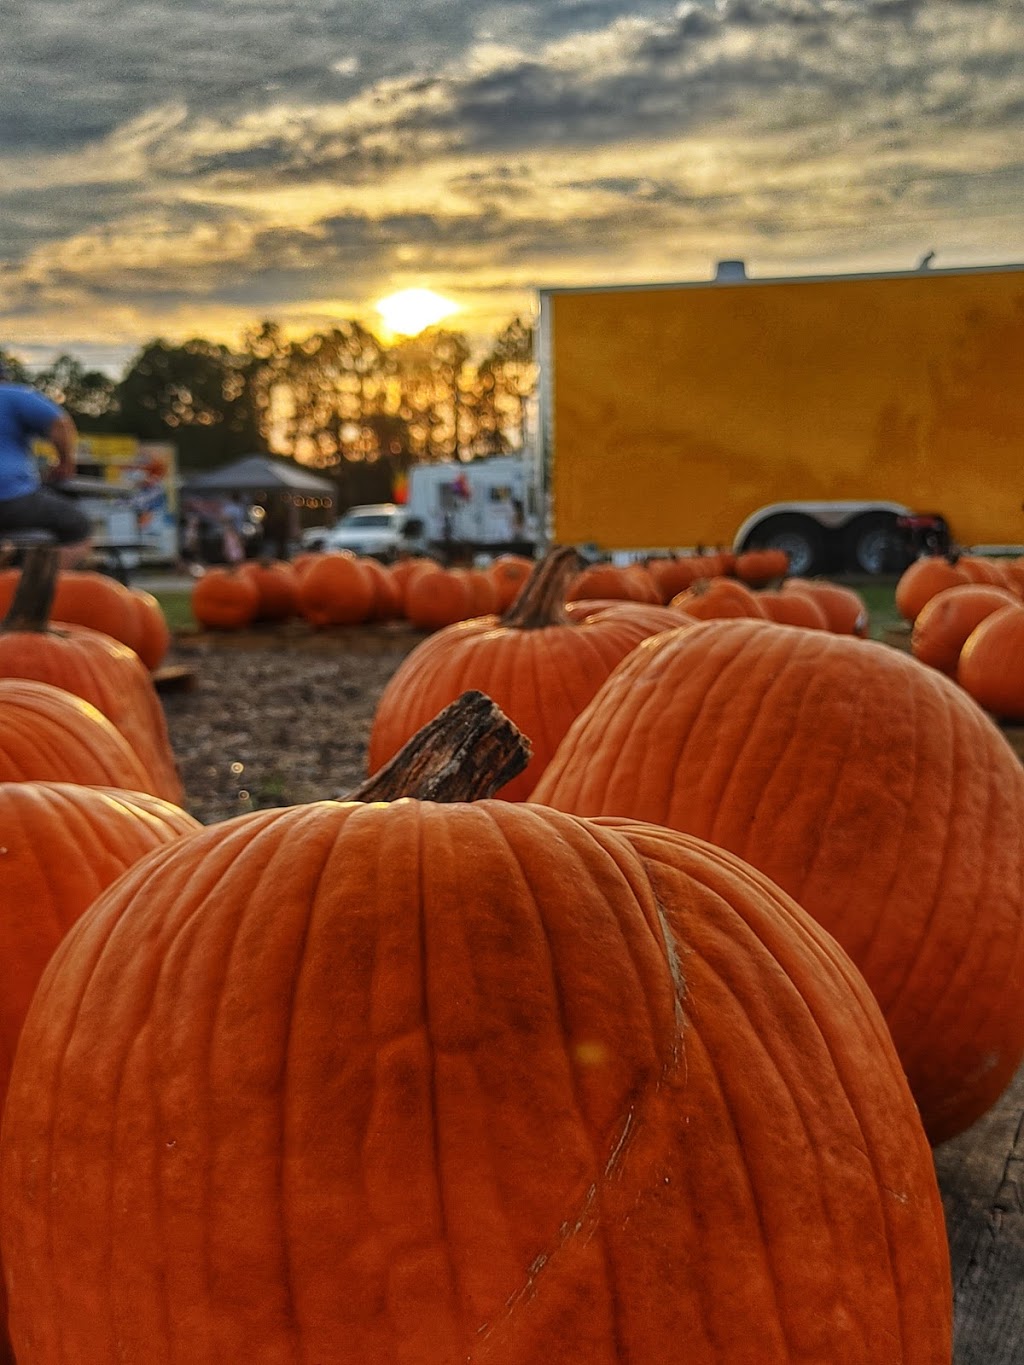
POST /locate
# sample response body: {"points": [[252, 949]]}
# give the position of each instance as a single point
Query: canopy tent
{"points": [[259, 473]]}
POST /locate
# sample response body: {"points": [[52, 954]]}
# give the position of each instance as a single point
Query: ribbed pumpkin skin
{"points": [[542, 679], [62, 845], [109, 675], [48, 735], [867, 786], [594, 1094]]}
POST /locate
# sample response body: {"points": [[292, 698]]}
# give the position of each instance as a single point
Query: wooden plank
{"points": [[981, 1175], [175, 678]]}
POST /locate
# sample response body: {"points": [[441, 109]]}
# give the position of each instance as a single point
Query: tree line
{"points": [[338, 400]]}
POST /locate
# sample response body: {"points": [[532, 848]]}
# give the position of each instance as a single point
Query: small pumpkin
{"points": [[336, 590], [947, 619], [920, 582], [715, 598], [793, 609], [991, 665], [758, 568], [869, 788], [277, 586], [456, 1079], [225, 599], [846, 612], [509, 573]]}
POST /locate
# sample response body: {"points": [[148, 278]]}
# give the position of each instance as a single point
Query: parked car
{"points": [[381, 529]]}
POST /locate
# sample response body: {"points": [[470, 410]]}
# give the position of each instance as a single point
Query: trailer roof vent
{"points": [[731, 270]]}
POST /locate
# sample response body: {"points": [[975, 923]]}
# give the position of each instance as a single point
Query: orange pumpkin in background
{"points": [[714, 598], [89, 665], [991, 666], [436, 1080], [870, 788], [845, 610], [793, 609], [277, 585], [947, 619], [436, 597], [920, 582], [225, 599], [509, 573], [539, 665], [336, 590]]}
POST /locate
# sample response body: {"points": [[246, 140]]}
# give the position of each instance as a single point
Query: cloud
{"points": [[312, 155]]}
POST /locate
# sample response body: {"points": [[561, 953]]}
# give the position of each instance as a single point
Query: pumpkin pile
{"points": [[450, 1079], [617, 1008], [967, 618]]}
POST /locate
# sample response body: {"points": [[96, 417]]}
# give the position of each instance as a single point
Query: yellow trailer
{"points": [[813, 413]]}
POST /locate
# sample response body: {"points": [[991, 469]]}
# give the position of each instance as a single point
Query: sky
{"points": [[188, 167]]}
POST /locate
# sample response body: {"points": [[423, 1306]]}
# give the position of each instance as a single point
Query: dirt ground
{"points": [[265, 727]]}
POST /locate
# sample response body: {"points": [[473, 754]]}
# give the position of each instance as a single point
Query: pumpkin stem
{"points": [[33, 597], [541, 600], [466, 753]]}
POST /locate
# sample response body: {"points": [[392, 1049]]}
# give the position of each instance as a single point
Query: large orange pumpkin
{"points": [[540, 666], [481, 1082], [870, 788], [62, 845], [336, 590], [49, 735], [90, 665]]}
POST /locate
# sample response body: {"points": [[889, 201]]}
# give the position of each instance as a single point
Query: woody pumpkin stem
{"points": [[33, 597], [541, 600], [466, 753]]}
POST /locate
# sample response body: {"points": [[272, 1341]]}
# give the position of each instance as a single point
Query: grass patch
{"points": [[177, 608]]}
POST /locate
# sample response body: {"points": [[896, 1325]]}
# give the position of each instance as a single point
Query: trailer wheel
{"points": [[874, 544], [802, 539]]}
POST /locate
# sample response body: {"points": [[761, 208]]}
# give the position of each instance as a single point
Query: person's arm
{"points": [[63, 435]]}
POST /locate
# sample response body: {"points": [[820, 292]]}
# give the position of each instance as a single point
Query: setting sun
{"points": [[410, 310]]}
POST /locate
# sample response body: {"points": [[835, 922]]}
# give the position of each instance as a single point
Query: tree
{"points": [[509, 375], [12, 367], [193, 395], [88, 395]]}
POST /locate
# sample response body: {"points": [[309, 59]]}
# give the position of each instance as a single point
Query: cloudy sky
{"points": [[183, 167]]}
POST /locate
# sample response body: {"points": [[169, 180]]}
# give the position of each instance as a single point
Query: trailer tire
{"points": [[801, 537], [874, 544]]}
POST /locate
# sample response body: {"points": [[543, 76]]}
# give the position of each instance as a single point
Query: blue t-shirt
{"points": [[24, 415]]}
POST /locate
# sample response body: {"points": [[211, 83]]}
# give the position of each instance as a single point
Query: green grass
{"points": [[880, 596], [177, 608]]}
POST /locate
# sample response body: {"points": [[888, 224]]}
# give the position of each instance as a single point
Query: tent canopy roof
{"points": [[258, 472]]}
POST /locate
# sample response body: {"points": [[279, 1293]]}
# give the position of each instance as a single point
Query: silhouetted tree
{"points": [[88, 395]]}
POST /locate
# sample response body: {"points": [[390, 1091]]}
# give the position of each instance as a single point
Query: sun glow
{"points": [[411, 310]]}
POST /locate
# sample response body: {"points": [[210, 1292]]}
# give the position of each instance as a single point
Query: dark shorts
{"points": [[45, 510]]}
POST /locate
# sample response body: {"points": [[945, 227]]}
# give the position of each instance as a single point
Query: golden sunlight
{"points": [[410, 310]]}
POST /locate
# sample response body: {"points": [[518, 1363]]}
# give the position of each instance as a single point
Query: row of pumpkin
{"points": [[342, 589], [414, 1081]]}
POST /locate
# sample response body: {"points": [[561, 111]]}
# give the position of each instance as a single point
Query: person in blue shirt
{"points": [[25, 503]]}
